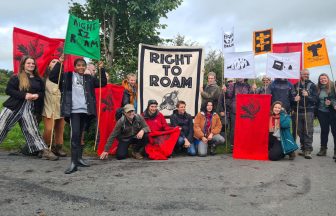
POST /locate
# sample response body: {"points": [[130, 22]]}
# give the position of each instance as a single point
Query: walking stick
{"points": [[99, 104], [53, 109], [297, 111], [305, 110]]}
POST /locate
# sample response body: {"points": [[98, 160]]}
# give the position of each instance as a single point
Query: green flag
{"points": [[82, 38]]}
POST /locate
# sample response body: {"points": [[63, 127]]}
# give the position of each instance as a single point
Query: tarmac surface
{"points": [[213, 185]]}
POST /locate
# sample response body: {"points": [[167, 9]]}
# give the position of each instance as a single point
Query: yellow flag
{"points": [[262, 41], [315, 54]]}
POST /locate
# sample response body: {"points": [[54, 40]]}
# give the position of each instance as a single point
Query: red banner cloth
{"points": [[111, 97], [161, 143], [42, 48], [287, 48], [252, 126]]}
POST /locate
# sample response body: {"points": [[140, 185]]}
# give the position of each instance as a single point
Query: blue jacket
{"points": [[287, 141]]}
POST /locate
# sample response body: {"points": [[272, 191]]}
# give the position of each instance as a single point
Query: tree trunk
{"points": [[110, 55]]}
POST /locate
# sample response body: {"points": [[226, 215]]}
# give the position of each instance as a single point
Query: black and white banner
{"points": [[283, 65], [239, 65], [228, 41], [170, 74]]}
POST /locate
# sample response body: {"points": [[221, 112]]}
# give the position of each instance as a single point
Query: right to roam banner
{"points": [[170, 74]]}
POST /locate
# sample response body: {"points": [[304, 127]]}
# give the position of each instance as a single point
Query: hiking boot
{"points": [[48, 155], [57, 150], [292, 156], [308, 155], [137, 155], [301, 153], [322, 152]]}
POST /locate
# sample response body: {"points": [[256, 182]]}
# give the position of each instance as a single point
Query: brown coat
{"points": [[199, 122]]}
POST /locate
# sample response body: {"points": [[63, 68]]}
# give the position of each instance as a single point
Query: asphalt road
{"points": [[215, 185]]}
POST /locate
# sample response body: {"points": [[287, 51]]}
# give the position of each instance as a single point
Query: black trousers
{"points": [[122, 150], [327, 120], [77, 123], [274, 148]]}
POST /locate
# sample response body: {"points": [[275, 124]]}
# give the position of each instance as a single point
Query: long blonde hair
{"points": [[328, 85], [24, 84]]}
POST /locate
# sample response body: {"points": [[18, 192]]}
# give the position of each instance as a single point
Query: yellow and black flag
{"points": [[315, 54], [262, 41]]}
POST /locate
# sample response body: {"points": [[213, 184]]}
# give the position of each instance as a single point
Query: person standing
{"points": [[53, 122], [211, 91], [131, 90], [78, 103], [26, 92], [305, 99], [326, 112], [282, 90]]}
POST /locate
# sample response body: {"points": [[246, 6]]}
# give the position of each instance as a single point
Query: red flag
{"points": [[111, 97], [252, 125], [287, 48], [42, 48], [161, 143]]}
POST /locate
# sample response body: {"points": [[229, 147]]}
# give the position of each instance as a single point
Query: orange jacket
{"points": [[199, 122]]}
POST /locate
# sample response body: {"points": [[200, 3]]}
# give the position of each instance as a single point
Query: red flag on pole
{"points": [[111, 97], [161, 143], [251, 128], [42, 48], [287, 48]]}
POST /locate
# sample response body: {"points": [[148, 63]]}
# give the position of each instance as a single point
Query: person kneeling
{"points": [[131, 128], [207, 128], [281, 141]]}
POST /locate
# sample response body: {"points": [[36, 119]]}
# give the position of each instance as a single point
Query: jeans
{"points": [[327, 120], [202, 148]]}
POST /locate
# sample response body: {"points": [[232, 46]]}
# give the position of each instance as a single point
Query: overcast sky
{"points": [[198, 20]]}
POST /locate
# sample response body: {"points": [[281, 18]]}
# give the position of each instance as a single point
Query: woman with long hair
{"points": [[326, 113], [281, 141], [53, 122], [25, 90], [207, 128]]}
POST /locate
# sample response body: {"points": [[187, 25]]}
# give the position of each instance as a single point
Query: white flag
{"points": [[239, 65], [283, 65], [228, 41]]}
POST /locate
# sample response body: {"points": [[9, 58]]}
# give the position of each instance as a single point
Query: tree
{"points": [[180, 40], [214, 62], [4, 78], [125, 24]]}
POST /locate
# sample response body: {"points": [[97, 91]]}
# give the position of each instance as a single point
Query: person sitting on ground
{"points": [[281, 141], [207, 128], [180, 118], [155, 119], [131, 128]]}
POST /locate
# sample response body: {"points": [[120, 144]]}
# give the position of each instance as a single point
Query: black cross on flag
{"points": [[262, 41]]}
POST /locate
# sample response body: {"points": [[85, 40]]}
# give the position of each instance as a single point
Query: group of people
{"points": [[61, 97]]}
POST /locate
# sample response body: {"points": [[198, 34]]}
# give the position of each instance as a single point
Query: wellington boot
{"points": [[334, 157], [72, 168], [322, 152], [81, 161]]}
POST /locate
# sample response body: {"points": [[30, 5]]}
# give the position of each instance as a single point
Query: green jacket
{"points": [[287, 141]]}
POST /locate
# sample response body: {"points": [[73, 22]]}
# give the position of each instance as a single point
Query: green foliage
{"points": [[214, 63], [4, 77], [125, 24]]}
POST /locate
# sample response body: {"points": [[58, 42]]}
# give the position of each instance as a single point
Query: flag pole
{"points": [[99, 104], [225, 116], [297, 111]]}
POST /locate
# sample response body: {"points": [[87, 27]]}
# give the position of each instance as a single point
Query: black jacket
{"points": [[65, 85], [17, 97], [283, 90], [311, 100], [185, 122]]}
